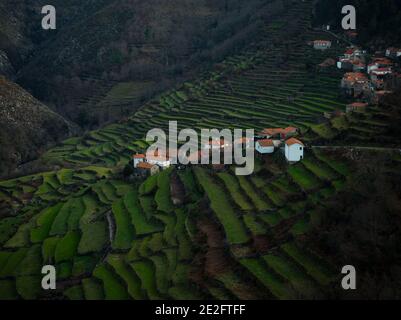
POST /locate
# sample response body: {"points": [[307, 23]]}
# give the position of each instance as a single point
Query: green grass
{"points": [[275, 285], [320, 169], [235, 190], [311, 264], [148, 186], [93, 290], [83, 265], [29, 287], [43, 223], [141, 224], [124, 229], [94, 237], [257, 200], [113, 289], [22, 236], [8, 290], [67, 247], [146, 272], [31, 264], [127, 274], [233, 226], [74, 293], [162, 196], [14, 259], [288, 270], [306, 180]]}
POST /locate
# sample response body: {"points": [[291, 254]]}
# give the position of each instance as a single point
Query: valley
{"points": [[201, 232]]}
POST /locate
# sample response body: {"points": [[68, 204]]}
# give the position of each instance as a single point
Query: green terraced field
{"points": [[112, 238]]}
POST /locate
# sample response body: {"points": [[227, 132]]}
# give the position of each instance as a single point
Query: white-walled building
{"points": [[265, 146], [161, 159], [294, 150], [322, 44], [137, 159]]}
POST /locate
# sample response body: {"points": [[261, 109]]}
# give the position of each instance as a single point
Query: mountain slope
{"points": [[26, 126], [148, 45]]}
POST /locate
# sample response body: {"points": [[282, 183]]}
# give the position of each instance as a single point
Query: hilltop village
{"points": [[368, 77]]}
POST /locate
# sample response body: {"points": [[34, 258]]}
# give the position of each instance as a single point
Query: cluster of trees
{"points": [[134, 40], [362, 227]]}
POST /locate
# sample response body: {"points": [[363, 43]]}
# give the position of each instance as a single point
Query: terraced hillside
{"points": [[221, 236]]}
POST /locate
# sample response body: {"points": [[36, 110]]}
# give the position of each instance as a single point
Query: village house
{"points": [[355, 84], [322, 44], [333, 114], [146, 169], [294, 150], [393, 53], [161, 159], [137, 159], [356, 106], [265, 146], [379, 63], [281, 133]]}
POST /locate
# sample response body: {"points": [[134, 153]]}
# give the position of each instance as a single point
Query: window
{"points": [[300, 148]]}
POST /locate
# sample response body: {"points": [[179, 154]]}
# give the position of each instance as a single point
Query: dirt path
{"points": [[359, 148]]}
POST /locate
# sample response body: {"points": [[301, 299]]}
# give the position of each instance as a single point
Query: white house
{"points": [[159, 159], [393, 52], [137, 159], [294, 150], [265, 146], [322, 44]]}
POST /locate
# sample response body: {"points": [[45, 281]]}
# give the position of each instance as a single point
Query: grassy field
{"points": [[231, 237]]}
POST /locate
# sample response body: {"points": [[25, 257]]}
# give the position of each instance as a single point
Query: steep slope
{"points": [[146, 45], [26, 126]]}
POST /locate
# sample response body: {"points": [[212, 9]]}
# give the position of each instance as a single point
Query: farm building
{"points": [[393, 52], [265, 146], [322, 44], [159, 159], [356, 106], [282, 133], [294, 150], [355, 83], [333, 114], [137, 159], [147, 169]]}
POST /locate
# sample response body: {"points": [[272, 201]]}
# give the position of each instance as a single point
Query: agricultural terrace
{"points": [[229, 237]]}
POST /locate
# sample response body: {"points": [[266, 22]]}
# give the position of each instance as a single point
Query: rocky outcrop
{"points": [[27, 127]]}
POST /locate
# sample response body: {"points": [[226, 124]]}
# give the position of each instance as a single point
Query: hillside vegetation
{"points": [[229, 237]]}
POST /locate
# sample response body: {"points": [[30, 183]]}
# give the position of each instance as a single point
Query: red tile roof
{"points": [[266, 143], [138, 156], [293, 141], [358, 105], [145, 165]]}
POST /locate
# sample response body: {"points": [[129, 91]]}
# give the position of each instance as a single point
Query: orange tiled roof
{"points": [[145, 165], [273, 131], [358, 104], [266, 143], [293, 141], [138, 156]]}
